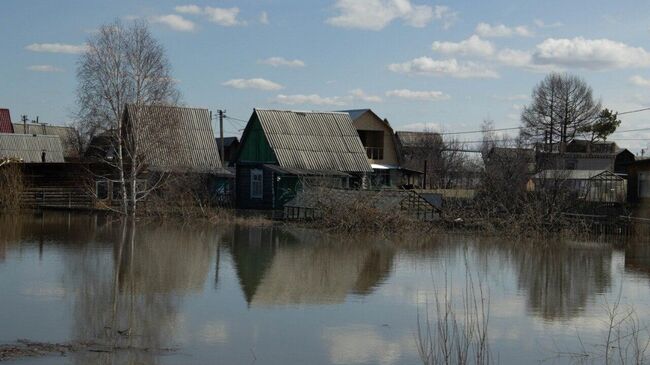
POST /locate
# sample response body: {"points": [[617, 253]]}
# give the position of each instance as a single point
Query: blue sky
{"points": [[446, 65]]}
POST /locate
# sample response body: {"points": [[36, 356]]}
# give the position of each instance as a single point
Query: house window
{"points": [[101, 189], [256, 183]]}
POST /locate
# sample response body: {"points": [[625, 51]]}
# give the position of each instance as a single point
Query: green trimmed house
{"points": [[281, 152]]}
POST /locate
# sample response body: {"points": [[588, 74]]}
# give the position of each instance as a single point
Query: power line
{"points": [[633, 111]]}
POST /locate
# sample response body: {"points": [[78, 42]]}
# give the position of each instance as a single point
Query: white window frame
{"points": [[257, 184]]}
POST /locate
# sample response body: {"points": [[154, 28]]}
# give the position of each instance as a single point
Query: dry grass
{"points": [[456, 336]]}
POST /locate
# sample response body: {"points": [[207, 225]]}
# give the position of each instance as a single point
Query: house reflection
{"points": [[287, 267]]}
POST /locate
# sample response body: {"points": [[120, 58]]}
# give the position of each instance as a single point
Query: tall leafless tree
{"points": [[562, 107], [123, 64]]}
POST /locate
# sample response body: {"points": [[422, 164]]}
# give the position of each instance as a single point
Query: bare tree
{"points": [[122, 65], [562, 108]]}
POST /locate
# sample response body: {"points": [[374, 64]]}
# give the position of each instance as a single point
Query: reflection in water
{"points": [[277, 267], [289, 295], [637, 258], [133, 301], [561, 279]]}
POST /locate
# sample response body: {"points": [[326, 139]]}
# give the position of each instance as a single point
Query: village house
{"points": [[168, 140], [586, 155], [282, 152], [380, 143]]}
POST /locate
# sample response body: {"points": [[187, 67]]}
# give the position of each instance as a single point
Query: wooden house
{"points": [[380, 143], [282, 151], [169, 140]]}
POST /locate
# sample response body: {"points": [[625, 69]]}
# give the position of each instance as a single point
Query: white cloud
{"points": [[44, 68], [445, 15], [418, 95], [188, 9], [226, 17], [593, 54], [57, 48], [640, 80], [377, 14], [449, 67], [359, 94], [470, 46], [500, 30], [281, 61], [256, 83], [176, 22], [541, 24], [264, 17], [313, 99]]}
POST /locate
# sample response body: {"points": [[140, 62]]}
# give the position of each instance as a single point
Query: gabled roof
{"points": [[29, 148], [179, 138], [325, 141], [5, 121]]}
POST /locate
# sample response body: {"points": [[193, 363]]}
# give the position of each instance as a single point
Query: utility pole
{"points": [[221, 153]]}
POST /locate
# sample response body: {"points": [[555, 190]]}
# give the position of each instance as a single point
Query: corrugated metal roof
{"points": [[29, 148], [227, 141], [5, 121], [324, 141], [175, 138], [65, 133]]}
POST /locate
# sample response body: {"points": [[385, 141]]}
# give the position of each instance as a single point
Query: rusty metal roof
{"points": [[5, 121], [324, 141], [175, 138], [29, 148]]}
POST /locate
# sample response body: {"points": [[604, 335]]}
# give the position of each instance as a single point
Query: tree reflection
{"points": [[561, 278], [131, 299], [279, 266]]}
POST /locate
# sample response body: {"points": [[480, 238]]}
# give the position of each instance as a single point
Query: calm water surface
{"points": [[241, 295]]}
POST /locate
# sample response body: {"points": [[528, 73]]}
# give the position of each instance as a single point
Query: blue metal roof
{"points": [[355, 113]]}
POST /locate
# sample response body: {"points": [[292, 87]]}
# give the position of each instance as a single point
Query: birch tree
{"points": [[121, 65]]}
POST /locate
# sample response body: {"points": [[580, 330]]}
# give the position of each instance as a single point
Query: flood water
{"points": [[244, 295]]}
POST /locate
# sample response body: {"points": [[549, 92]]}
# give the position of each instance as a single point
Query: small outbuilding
{"points": [[601, 186], [282, 151]]}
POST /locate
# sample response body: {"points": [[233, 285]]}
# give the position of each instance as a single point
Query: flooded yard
{"points": [[180, 294]]}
